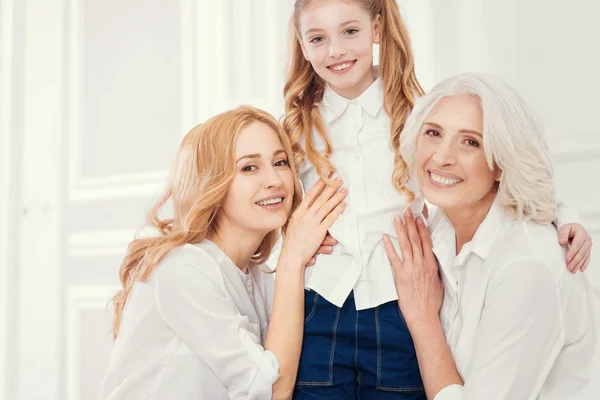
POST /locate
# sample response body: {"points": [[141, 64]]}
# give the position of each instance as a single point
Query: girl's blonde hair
{"points": [[203, 170], [303, 90]]}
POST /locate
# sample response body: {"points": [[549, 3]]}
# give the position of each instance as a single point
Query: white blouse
{"points": [[359, 132], [195, 330], [519, 324]]}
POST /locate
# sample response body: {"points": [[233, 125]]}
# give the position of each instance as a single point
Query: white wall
{"points": [[95, 96]]}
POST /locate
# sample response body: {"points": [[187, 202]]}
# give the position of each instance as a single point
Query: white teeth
{"points": [[342, 67], [272, 201], [443, 180]]}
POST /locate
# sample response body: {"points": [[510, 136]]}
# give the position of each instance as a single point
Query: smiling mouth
{"points": [[342, 67], [444, 181], [277, 200]]}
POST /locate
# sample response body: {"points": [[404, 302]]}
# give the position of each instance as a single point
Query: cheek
{"points": [[479, 169], [288, 180], [423, 154]]}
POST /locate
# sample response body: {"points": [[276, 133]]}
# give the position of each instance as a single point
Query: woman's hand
{"points": [[325, 248], [420, 290], [580, 249], [309, 223]]}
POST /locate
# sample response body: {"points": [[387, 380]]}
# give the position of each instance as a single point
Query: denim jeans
{"points": [[350, 354]]}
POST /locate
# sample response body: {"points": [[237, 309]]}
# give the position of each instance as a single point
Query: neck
{"points": [[237, 244], [359, 88], [466, 220]]}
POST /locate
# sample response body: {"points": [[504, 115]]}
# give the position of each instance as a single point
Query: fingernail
{"points": [[397, 219], [419, 220], [329, 248], [338, 179], [344, 189], [408, 213]]}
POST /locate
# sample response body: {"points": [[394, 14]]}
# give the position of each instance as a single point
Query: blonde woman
{"points": [[514, 323], [198, 317]]}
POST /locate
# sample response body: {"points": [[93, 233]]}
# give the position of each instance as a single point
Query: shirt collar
{"points": [[484, 238], [334, 105]]}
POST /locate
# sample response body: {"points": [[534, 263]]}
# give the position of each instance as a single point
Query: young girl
{"points": [[193, 319], [344, 119]]}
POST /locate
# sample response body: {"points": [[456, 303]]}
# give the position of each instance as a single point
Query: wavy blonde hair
{"points": [[203, 170], [303, 90], [513, 140]]}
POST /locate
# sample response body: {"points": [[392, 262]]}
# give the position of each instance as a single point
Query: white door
{"points": [[96, 96]]}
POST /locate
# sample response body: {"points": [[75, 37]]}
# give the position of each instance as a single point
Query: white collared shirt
{"points": [[519, 324], [195, 330], [359, 132]]}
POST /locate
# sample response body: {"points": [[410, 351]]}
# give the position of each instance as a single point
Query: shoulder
{"points": [[191, 260], [529, 249]]}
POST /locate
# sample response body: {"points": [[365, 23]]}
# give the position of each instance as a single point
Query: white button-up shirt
{"points": [[359, 131], [195, 330], [519, 324]]}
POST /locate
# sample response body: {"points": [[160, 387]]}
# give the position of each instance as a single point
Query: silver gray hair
{"points": [[513, 140]]}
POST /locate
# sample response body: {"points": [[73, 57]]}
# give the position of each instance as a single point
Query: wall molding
{"points": [[100, 243], [83, 188], [80, 298]]}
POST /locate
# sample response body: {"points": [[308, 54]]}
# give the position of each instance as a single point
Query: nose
{"points": [[336, 49], [272, 178], [445, 153]]}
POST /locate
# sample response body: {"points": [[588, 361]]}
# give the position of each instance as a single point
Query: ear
{"points": [[498, 174], [377, 29]]}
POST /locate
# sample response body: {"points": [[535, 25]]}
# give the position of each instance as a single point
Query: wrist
{"points": [[289, 260], [424, 323]]}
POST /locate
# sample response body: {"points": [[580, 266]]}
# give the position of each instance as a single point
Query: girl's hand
{"points": [[308, 225], [580, 246], [420, 290], [325, 248]]}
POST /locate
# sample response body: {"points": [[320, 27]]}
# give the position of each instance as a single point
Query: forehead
{"points": [[257, 138], [331, 13], [458, 111]]}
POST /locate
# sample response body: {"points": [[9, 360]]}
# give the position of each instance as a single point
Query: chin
{"points": [[441, 200]]}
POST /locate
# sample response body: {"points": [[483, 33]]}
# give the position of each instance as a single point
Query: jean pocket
{"points": [[318, 345], [397, 366]]}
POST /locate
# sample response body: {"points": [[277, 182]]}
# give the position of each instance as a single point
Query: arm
{"points": [[305, 233], [437, 366], [420, 294]]}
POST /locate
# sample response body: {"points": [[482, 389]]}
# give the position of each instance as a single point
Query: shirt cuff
{"points": [[567, 215], [265, 359], [451, 392]]}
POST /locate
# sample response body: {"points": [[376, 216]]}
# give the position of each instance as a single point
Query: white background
{"points": [[96, 94]]}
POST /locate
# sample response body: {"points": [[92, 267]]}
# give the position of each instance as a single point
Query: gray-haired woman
{"points": [[513, 322]]}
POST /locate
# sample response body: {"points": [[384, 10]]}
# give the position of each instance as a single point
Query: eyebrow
{"points": [[352, 21], [472, 132], [256, 155]]}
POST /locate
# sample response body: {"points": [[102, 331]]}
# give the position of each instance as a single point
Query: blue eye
{"points": [[351, 31], [317, 39]]}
